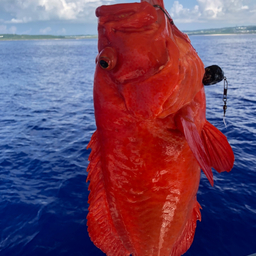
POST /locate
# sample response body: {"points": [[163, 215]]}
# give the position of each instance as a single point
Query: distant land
{"points": [[221, 31], [42, 37], [214, 31]]}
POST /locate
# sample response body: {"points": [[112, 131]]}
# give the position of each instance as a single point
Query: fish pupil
{"points": [[103, 64]]}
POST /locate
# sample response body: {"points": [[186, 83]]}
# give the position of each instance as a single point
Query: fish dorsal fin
{"points": [[186, 125]]}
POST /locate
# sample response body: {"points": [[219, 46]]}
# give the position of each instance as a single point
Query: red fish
{"points": [[152, 135]]}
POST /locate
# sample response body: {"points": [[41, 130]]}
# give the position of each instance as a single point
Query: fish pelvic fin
{"points": [[217, 147], [186, 238], [99, 222], [185, 123]]}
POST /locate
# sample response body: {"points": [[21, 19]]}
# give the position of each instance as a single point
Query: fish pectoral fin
{"points": [[218, 149], [185, 123]]}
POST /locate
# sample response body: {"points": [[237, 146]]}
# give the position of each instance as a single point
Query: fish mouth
{"points": [[138, 76], [137, 32], [127, 17]]}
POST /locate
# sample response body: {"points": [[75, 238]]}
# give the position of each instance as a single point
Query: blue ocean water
{"points": [[47, 119]]}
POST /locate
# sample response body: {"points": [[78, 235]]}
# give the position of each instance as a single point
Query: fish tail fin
{"points": [[219, 151], [186, 238], [100, 225]]}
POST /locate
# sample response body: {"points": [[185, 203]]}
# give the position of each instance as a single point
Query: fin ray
{"points": [[188, 127], [100, 225], [218, 149], [186, 238]]}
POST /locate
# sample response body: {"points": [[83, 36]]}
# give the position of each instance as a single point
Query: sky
{"points": [[77, 17]]}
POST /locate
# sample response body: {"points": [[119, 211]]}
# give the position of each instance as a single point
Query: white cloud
{"points": [[45, 30], [25, 11], [74, 12], [5, 30], [16, 21], [245, 7], [229, 11], [185, 15]]}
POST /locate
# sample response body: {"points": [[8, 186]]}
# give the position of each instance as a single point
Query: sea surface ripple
{"points": [[46, 122]]}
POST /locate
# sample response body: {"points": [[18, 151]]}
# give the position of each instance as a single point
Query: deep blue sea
{"points": [[47, 119]]}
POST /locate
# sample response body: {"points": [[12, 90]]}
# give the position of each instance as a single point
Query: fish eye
{"points": [[107, 58], [104, 64]]}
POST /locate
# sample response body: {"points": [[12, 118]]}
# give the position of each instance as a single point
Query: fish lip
{"points": [[133, 30], [131, 17], [114, 12], [142, 78]]}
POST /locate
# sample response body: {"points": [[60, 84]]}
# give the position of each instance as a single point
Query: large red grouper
{"points": [[152, 135]]}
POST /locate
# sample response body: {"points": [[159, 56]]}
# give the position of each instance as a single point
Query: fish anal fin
{"points": [[186, 125], [100, 224], [186, 237], [220, 153]]}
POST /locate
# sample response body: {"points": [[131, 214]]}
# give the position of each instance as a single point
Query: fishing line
{"points": [[213, 74], [165, 12]]}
